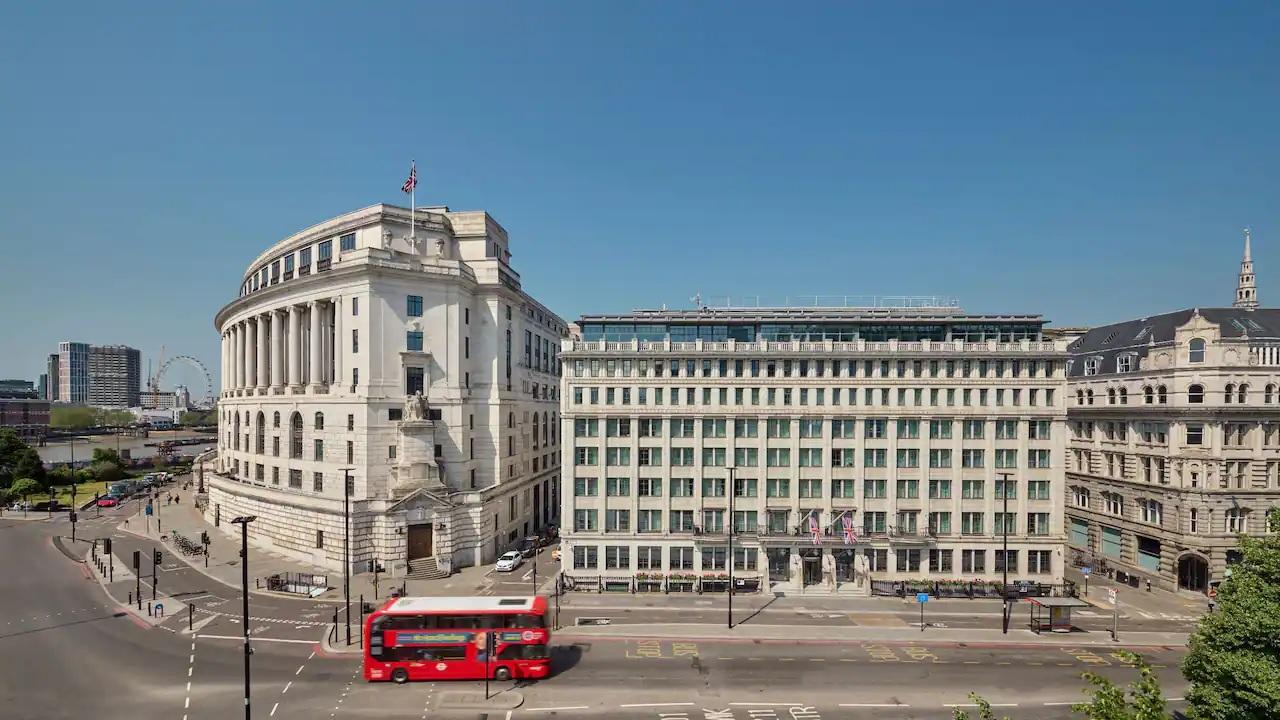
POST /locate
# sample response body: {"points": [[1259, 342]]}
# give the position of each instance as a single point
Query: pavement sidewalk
{"points": [[224, 560], [814, 634]]}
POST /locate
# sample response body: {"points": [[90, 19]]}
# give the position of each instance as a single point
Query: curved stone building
{"points": [[410, 362]]}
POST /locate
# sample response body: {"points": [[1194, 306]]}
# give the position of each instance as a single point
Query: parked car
{"points": [[108, 501], [509, 561], [528, 547]]}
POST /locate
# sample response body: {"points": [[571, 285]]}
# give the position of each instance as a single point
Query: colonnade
{"points": [[294, 346]]}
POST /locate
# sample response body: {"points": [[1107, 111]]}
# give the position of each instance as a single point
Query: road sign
{"points": [[922, 597], [1085, 571], [148, 508], [1111, 595]]}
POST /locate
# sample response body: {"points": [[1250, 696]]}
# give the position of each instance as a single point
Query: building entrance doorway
{"points": [[1193, 573], [812, 560], [844, 565], [420, 538]]}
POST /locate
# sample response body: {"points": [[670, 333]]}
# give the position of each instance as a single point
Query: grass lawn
{"points": [[84, 493]]}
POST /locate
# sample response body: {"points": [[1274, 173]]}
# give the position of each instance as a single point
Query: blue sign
{"points": [[1085, 571], [148, 508], [922, 597]]}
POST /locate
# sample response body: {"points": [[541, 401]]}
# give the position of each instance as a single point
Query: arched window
{"points": [[511, 420], [546, 427], [1243, 394], [295, 436], [260, 438], [1195, 350], [235, 439], [1163, 393], [275, 419], [1195, 394], [535, 431], [1229, 393], [1111, 396], [1079, 397], [1146, 394], [1088, 394], [319, 421], [1269, 394], [1124, 396]]}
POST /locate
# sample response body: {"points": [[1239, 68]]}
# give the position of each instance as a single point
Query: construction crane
{"points": [[153, 381]]}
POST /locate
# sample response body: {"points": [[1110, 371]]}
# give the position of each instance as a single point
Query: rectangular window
{"points": [[940, 489], [413, 381], [319, 450], [811, 488], [347, 242], [973, 561], [317, 482], [875, 457], [1039, 562], [414, 306], [940, 458], [872, 489], [972, 458], [778, 487], [413, 341], [908, 489], [681, 487]]}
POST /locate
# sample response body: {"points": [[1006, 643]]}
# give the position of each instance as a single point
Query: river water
{"points": [[61, 450]]}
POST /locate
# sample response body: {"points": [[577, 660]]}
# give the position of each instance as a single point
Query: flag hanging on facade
{"points": [[850, 536], [412, 182], [814, 529]]}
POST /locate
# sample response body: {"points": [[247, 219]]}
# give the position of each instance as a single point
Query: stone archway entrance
{"points": [[1193, 573]]}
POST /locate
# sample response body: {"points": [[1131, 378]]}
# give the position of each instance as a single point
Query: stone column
{"points": [[222, 362], [261, 378], [238, 360], [277, 349], [250, 354], [295, 345], [316, 366], [339, 345]]}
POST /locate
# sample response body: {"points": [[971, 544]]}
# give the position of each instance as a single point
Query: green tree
{"points": [[106, 472], [1234, 662], [18, 459], [25, 488], [1143, 699], [198, 418], [107, 455], [71, 417]]}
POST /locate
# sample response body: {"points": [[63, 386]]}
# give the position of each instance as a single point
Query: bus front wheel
{"points": [[502, 674], [400, 675]]}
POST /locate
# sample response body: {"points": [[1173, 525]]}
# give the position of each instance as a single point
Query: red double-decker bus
{"points": [[443, 638]]}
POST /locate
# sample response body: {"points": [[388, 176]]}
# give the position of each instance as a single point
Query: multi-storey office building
{"points": [[1175, 439], [886, 431], [115, 376], [73, 373], [52, 393], [416, 365]]}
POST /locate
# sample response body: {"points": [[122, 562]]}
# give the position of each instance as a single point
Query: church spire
{"points": [[1246, 289]]}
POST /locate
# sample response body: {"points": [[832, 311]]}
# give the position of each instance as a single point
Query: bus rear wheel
{"points": [[502, 674], [400, 675]]}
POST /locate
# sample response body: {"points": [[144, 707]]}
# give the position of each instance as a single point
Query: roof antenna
{"points": [[697, 300]]}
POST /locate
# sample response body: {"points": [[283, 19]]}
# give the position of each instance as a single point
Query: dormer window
{"points": [[1091, 365], [1126, 362], [1195, 350]]}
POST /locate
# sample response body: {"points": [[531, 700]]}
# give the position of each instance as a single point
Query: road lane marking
{"points": [[286, 687], [668, 704], [1059, 703], [969, 705], [258, 640], [765, 704], [874, 705], [556, 709], [273, 709], [299, 670]]}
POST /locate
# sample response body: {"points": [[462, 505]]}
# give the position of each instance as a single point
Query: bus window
{"points": [[530, 621], [523, 652]]}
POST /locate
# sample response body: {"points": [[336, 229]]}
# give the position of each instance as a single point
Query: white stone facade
{"points": [[900, 420], [1175, 442], [335, 332]]}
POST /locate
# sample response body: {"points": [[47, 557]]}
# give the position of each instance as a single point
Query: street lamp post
{"points": [[346, 546], [1004, 531], [243, 521], [732, 491]]}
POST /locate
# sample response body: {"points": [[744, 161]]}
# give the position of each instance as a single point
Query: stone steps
{"points": [[425, 569]]}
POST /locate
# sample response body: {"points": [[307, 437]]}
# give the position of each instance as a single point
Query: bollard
{"points": [[130, 597], [149, 609], [191, 614]]}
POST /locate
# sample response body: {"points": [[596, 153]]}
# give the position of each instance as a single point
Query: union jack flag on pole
{"points": [[814, 529], [412, 182], [850, 536]]}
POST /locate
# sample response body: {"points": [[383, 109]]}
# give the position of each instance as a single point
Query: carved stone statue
{"points": [[415, 407], [386, 239], [860, 567], [440, 247], [797, 571]]}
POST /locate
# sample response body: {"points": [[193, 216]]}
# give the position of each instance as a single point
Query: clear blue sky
{"points": [[1087, 161]]}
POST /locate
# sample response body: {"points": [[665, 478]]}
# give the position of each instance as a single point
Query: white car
{"points": [[509, 561]]}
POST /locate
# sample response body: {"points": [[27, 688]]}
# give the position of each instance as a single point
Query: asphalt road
{"points": [[70, 652]]}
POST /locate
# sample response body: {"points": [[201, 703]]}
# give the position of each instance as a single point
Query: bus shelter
{"points": [[1053, 613]]}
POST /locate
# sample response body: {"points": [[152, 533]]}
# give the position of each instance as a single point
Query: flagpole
{"points": [[413, 204]]}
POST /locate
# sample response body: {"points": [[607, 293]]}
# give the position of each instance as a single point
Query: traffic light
{"points": [[204, 537], [157, 558], [106, 545]]}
